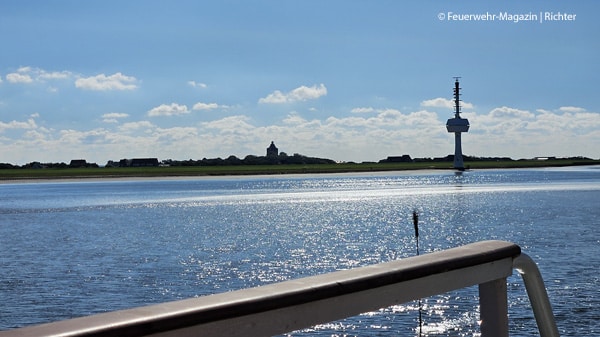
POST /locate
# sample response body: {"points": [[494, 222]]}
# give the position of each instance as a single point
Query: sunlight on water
{"points": [[342, 196], [77, 248], [440, 318]]}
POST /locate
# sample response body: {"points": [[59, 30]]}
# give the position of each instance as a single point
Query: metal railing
{"points": [[302, 303]]}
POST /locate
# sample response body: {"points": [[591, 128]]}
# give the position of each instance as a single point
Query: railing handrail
{"points": [[300, 303]]}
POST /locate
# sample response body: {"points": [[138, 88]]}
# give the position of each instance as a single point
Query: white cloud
{"points": [[301, 93], [18, 78], [506, 112], [29, 124], [175, 134], [571, 109], [362, 110], [207, 106], [55, 75], [294, 119], [231, 124], [113, 117], [102, 82], [441, 102], [89, 137], [132, 126], [517, 133], [570, 123], [197, 84], [526, 124], [168, 110], [31, 75]]}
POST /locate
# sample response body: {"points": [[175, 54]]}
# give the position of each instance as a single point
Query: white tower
{"points": [[457, 125]]}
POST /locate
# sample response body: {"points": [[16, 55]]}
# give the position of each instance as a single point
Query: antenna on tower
{"points": [[456, 97]]}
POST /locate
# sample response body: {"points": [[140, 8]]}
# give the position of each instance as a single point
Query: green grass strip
{"points": [[175, 171]]}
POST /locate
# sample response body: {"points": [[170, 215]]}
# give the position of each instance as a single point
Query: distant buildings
{"points": [[78, 163], [397, 159], [135, 162]]}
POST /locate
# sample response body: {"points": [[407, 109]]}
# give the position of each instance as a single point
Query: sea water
{"points": [[74, 248]]}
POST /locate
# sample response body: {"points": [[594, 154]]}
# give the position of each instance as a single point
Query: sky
{"points": [[345, 80]]}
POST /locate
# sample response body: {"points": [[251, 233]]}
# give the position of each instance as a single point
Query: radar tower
{"points": [[457, 125]]}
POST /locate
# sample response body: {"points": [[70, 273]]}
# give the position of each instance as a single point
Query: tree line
{"points": [[281, 158]]}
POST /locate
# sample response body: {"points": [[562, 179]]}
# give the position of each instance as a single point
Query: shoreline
{"points": [[17, 176]]}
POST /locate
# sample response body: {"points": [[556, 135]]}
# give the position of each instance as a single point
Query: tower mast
{"points": [[457, 125], [456, 98]]}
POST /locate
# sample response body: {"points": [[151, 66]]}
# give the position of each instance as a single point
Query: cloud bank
{"points": [[502, 131], [441, 102], [302, 93], [172, 109], [180, 131], [102, 82]]}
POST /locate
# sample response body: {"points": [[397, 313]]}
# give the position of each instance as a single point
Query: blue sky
{"points": [[346, 80]]}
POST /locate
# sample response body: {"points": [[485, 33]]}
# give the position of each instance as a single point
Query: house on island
{"points": [[397, 159], [78, 163], [135, 162], [144, 162]]}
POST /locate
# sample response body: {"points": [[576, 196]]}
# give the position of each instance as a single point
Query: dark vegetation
{"points": [[280, 164], [281, 159]]}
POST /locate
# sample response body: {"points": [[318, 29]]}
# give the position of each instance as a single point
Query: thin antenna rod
{"points": [[416, 225], [456, 98]]}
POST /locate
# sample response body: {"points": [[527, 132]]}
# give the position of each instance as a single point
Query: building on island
{"points": [[135, 162], [397, 159], [144, 162], [272, 150], [78, 163]]}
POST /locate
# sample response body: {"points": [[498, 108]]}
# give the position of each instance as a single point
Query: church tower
{"points": [[272, 150]]}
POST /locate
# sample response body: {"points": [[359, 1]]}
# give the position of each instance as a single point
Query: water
{"points": [[75, 248]]}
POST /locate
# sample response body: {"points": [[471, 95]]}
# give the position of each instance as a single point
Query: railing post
{"points": [[538, 297], [493, 308]]}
